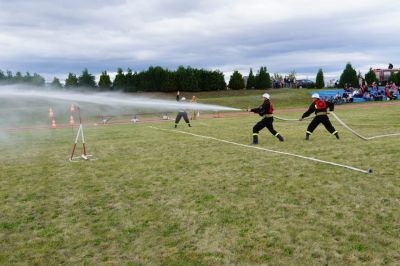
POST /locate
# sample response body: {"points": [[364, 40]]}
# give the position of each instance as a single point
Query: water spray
{"points": [[111, 99]]}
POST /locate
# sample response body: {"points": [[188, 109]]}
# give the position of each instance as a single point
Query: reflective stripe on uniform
{"points": [[321, 113], [308, 132], [334, 132], [276, 134], [255, 134], [268, 115]]}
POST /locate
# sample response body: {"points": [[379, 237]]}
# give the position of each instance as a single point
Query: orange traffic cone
{"points": [[51, 113], [53, 123]]}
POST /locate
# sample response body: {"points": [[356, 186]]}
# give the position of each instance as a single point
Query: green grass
{"points": [[160, 197], [281, 98]]}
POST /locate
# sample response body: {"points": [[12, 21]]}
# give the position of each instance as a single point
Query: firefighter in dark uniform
{"points": [[181, 112], [266, 111], [320, 108]]}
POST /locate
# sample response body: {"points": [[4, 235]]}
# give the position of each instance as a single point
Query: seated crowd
{"points": [[373, 93]]}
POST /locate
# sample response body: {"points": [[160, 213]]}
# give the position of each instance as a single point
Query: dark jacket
{"points": [[319, 106], [264, 109]]}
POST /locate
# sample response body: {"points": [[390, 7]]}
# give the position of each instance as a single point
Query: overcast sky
{"points": [[56, 37]]}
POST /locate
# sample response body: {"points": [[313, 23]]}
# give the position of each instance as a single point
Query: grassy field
{"points": [[282, 98], [162, 197]]}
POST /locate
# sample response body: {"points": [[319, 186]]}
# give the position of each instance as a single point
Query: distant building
{"points": [[383, 75]]}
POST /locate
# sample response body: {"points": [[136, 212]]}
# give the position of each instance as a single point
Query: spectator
{"points": [[374, 86], [348, 88], [338, 99], [395, 89], [357, 94], [390, 93], [349, 99], [286, 82], [364, 88], [336, 84], [393, 86], [377, 95], [195, 113], [345, 95], [367, 96]]}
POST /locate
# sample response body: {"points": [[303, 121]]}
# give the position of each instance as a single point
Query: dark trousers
{"points": [[324, 119], [266, 122], [180, 115]]}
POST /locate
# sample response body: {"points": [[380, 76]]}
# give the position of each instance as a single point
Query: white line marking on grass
{"points": [[203, 124], [359, 135], [264, 149]]}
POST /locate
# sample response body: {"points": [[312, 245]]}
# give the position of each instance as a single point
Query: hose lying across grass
{"points": [[369, 171], [289, 119], [345, 126], [359, 135]]}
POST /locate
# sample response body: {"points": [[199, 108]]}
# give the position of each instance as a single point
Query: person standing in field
{"points": [[320, 108], [195, 113], [265, 110], [181, 112]]}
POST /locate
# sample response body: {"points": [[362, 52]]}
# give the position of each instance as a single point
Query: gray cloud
{"points": [[57, 37]]}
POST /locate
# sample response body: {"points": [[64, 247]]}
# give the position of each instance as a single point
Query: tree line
{"points": [[183, 79], [262, 80], [150, 80], [153, 79], [9, 78]]}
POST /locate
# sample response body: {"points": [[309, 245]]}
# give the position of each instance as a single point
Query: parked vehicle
{"points": [[305, 83]]}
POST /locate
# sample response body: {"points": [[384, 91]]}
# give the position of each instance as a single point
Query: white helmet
{"points": [[265, 95], [315, 95], [183, 99]]}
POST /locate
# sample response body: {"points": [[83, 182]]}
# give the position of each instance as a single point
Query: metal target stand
{"points": [[84, 156]]}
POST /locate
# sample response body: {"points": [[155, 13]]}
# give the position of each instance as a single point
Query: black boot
{"points": [[337, 135], [176, 125], [280, 137], [307, 136], [255, 139], [189, 125]]}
